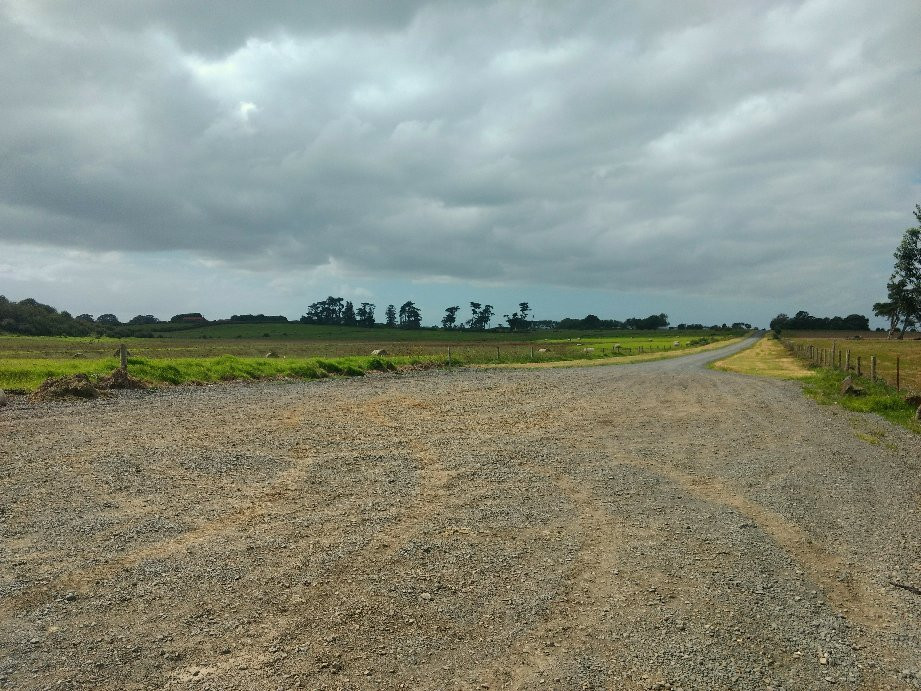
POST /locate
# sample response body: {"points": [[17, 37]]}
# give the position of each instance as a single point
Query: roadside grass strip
{"points": [[617, 359], [766, 358], [877, 397]]}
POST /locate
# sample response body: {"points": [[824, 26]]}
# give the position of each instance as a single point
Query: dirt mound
{"points": [[120, 379], [78, 385]]}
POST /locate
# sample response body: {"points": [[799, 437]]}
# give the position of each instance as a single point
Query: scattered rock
{"points": [[543, 350], [120, 379], [848, 388], [913, 399], [4, 399], [588, 350], [271, 353], [74, 385], [78, 355], [379, 351]]}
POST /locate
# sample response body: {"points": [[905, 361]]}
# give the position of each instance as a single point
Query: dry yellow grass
{"points": [[767, 358]]}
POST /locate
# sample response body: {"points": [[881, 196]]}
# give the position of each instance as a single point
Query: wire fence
{"points": [[897, 364]]}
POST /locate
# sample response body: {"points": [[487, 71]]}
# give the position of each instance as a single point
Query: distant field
{"points": [[908, 352], [233, 351]]}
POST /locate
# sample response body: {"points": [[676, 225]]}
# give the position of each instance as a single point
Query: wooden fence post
{"points": [[449, 356], [123, 356], [497, 353], [898, 384], [858, 366], [873, 368], [847, 362]]}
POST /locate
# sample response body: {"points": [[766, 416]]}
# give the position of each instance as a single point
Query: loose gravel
{"points": [[655, 526]]}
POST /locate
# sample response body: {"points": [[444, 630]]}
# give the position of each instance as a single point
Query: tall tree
{"points": [[904, 286], [518, 321], [365, 315], [391, 316], [474, 315], [348, 314], [450, 319], [410, 316]]}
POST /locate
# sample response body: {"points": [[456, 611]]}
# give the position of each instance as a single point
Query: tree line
{"points": [[30, 317], [803, 321]]}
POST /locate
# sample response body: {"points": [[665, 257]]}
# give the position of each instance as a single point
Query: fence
{"points": [[892, 363]]}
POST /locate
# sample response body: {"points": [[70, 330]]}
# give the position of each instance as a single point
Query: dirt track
{"points": [[643, 526]]}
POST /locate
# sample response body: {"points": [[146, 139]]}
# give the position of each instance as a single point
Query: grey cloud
{"points": [[666, 147]]}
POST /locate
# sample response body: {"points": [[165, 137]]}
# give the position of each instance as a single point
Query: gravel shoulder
{"points": [[657, 525]]}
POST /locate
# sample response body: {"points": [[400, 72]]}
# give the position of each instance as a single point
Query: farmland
{"points": [[239, 351], [865, 345]]}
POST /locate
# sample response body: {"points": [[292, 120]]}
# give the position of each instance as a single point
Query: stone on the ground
{"points": [[271, 353], [849, 389], [3, 398], [379, 351]]}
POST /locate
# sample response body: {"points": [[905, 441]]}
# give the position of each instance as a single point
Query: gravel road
{"points": [[645, 526]]}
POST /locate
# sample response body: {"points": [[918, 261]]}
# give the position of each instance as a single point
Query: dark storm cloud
{"points": [[672, 146]]}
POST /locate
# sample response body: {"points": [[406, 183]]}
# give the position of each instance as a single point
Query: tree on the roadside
{"points": [[391, 316], [450, 319], [904, 287], [410, 316]]}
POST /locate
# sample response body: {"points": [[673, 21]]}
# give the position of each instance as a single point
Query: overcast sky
{"points": [[718, 161]]}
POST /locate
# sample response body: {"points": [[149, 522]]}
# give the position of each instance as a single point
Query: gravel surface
{"points": [[638, 527]]}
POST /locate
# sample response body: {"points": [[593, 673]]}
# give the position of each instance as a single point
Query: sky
{"points": [[718, 161]]}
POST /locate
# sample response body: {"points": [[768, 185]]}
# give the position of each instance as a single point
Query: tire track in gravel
{"points": [[246, 512]]}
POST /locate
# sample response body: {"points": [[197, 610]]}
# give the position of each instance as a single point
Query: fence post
{"points": [[532, 352], [123, 356], [497, 353], [847, 362], [858, 366], [898, 384], [873, 367], [449, 356]]}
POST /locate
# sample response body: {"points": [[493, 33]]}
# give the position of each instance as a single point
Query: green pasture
{"points": [[26, 361]]}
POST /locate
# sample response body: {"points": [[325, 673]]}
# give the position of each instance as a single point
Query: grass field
{"points": [[908, 352], [231, 351], [767, 358]]}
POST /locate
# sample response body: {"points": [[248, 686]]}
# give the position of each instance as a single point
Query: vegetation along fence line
{"points": [[841, 358]]}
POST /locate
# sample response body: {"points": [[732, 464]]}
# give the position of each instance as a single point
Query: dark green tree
{"points": [[450, 319], [410, 316], [390, 315], [365, 315], [348, 315], [108, 320], [904, 287]]}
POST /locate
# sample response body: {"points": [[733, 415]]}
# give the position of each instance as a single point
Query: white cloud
{"points": [[686, 148]]}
